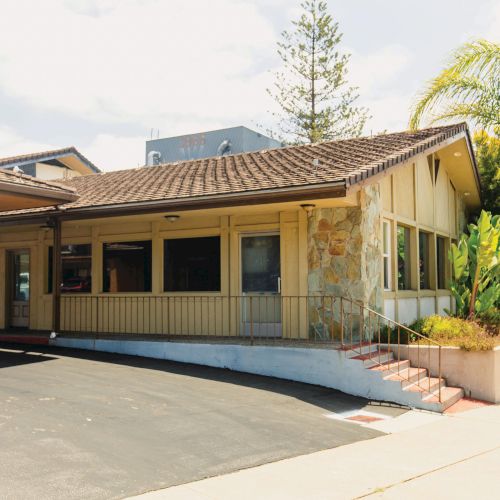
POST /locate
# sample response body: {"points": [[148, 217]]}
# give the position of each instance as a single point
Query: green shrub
{"points": [[458, 332], [405, 337], [490, 320]]}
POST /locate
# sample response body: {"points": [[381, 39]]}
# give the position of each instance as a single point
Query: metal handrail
{"points": [[316, 318], [409, 331]]}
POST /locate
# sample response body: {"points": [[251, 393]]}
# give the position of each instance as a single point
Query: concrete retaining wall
{"points": [[478, 373], [326, 367]]}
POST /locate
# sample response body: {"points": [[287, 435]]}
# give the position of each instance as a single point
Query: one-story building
{"points": [[260, 244], [18, 191]]}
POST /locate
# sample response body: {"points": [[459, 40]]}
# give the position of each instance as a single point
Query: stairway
{"points": [[403, 383]]}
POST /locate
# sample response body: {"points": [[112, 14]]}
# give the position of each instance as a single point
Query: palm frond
{"points": [[476, 58], [472, 76], [447, 85], [473, 112]]}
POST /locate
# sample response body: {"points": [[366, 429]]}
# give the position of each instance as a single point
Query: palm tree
{"points": [[467, 89]]}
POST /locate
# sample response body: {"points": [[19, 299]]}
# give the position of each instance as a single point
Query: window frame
{"points": [[103, 265], [164, 265], [387, 255], [425, 261], [409, 260], [48, 285], [445, 261]]}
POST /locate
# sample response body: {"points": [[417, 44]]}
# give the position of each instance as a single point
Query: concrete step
{"points": [[357, 349], [426, 385], [24, 338], [449, 396], [392, 366], [408, 374], [374, 358]]}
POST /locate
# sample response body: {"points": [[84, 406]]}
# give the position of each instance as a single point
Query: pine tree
{"points": [[316, 103]]}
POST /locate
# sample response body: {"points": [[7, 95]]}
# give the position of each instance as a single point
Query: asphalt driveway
{"points": [[79, 424]]}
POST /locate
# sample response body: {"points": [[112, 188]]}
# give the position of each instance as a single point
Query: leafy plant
{"points": [[467, 88], [487, 148], [311, 90], [476, 268], [457, 332]]}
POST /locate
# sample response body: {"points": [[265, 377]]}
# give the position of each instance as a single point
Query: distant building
{"points": [[63, 163], [220, 142]]}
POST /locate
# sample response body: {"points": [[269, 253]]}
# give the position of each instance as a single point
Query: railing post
{"points": [[323, 314], [361, 327], [429, 363], [341, 322], [439, 372], [56, 276], [251, 321], [399, 346]]}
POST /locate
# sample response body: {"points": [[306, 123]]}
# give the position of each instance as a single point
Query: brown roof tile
{"points": [[18, 179], [346, 162]]}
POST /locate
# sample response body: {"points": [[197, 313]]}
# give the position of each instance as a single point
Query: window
{"points": [[442, 245], [404, 267], [127, 266], [192, 264], [386, 254], [76, 269], [424, 260]]}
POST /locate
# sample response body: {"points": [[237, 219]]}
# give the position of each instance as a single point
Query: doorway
{"points": [[18, 282], [261, 285]]}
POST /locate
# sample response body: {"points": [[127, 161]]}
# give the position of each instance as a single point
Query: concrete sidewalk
{"points": [[455, 456]]}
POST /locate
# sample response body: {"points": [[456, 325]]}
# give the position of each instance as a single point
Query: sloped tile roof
{"points": [[346, 162], [45, 155], [18, 179]]}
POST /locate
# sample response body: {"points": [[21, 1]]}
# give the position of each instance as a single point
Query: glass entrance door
{"points": [[19, 261], [261, 285]]}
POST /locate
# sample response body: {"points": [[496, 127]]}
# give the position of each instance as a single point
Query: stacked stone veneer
{"points": [[345, 260]]}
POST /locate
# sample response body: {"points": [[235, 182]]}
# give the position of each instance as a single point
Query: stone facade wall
{"points": [[345, 258]]}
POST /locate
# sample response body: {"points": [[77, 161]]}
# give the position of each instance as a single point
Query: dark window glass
{"points": [[192, 264], [441, 262], [423, 251], [127, 266], [404, 258], [260, 260], [76, 269]]}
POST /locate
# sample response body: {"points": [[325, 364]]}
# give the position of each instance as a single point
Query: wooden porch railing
{"points": [[316, 319]]}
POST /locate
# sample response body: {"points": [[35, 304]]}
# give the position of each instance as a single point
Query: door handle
{"points": [[279, 284]]}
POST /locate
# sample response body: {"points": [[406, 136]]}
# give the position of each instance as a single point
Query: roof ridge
{"points": [[283, 148]]}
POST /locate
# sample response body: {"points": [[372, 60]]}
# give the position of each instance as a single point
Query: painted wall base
{"points": [[477, 372], [325, 367]]}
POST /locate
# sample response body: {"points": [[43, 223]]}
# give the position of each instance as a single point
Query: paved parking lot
{"points": [[79, 424]]}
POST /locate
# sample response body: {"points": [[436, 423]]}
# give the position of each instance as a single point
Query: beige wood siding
{"points": [[437, 205], [404, 191], [212, 313], [425, 202]]}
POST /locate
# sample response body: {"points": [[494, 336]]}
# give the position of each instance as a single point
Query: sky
{"points": [[101, 74]]}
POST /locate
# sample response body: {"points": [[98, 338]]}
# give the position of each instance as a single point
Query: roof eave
{"points": [[300, 193], [39, 192]]}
